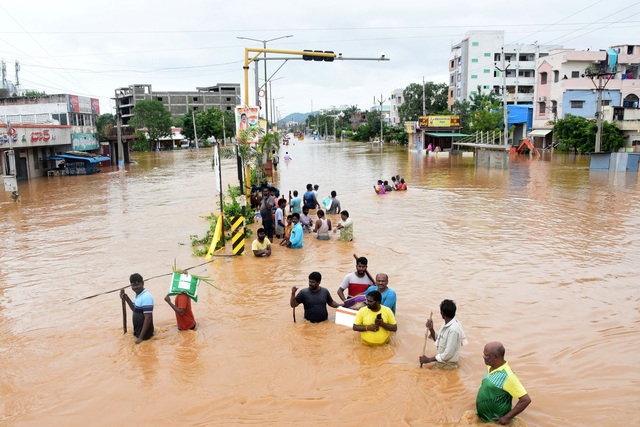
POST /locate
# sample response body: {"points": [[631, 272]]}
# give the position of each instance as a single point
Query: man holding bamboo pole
{"points": [[142, 307]]}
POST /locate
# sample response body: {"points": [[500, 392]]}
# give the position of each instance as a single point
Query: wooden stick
{"points": [[124, 316], [426, 338], [366, 271]]}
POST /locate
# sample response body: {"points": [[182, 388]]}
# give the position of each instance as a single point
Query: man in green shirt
{"points": [[499, 386]]}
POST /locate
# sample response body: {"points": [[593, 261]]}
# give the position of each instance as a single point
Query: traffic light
{"points": [[317, 58]]}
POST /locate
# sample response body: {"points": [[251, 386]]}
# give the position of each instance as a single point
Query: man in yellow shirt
{"points": [[375, 322], [261, 246]]}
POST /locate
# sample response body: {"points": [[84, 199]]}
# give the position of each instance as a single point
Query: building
{"points": [[36, 128], [385, 110], [224, 96], [474, 61], [397, 98], [563, 87]]}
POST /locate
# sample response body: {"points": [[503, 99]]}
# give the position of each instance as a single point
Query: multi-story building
{"points": [[36, 128], [397, 98], [224, 96], [563, 86], [475, 61]]}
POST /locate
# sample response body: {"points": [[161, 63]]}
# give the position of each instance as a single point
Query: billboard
{"points": [[82, 104], [247, 118], [439, 121]]}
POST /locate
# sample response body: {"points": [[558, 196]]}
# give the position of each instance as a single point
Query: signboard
{"points": [[439, 121], [247, 118], [82, 104], [84, 141], [410, 127]]}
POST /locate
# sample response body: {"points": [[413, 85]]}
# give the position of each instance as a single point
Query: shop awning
{"points": [[446, 134], [72, 157], [540, 132]]}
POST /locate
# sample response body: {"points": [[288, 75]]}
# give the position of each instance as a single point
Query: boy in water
{"points": [[305, 220], [287, 231]]}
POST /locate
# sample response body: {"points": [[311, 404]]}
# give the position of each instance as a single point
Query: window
{"points": [[228, 99], [485, 87], [554, 107], [459, 77], [525, 73], [473, 92], [159, 98], [474, 59], [543, 107], [496, 73], [487, 71], [577, 104], [453, 79], [475, 44], [606, 102], [543, 78], [575, 74], [195, 99], [474, 76], [542, 55], [487, 54], [228, 108], [496, 57], [458, 92], [451, 93], [509, 57], [556, 76], [629, 50]]}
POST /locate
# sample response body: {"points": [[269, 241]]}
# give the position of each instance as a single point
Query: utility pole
{"points": [[600, 86], [119, 130], [195, 133], [381, 101], [505, 111]]}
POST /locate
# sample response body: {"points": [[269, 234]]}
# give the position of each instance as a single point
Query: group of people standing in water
{"points": [[397, 184]]}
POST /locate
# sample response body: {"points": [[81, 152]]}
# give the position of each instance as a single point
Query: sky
{"points": [[90, 49]]}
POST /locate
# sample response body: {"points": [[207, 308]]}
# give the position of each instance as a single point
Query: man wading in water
{"points": [[142, 307]]}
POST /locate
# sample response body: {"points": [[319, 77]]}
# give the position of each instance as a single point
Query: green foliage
{"points": [[34, 93], [209, 123], [153, 117], [200, 245], [435, 97], [105, 124], [578, 134], [396, 134], [463, 109], [363, 133], [268, 143], [487, 113], [141, 143]]}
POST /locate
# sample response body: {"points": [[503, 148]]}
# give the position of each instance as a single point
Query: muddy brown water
{"points": [[542, 257]]}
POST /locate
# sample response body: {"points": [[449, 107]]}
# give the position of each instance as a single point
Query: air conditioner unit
{"points": [[542, 98]]}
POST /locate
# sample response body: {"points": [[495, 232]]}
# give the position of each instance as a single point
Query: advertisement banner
{"points": [[247, 118], [84, 141], [439, 121], [82, 104]]}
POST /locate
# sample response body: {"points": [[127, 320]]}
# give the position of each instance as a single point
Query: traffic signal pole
{"points": [[248, 59]]}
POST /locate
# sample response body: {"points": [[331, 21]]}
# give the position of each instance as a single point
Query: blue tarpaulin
{"points": [[73, 157]]}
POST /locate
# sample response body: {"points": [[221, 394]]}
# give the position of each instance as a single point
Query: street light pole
{"points": [[266, 98]]}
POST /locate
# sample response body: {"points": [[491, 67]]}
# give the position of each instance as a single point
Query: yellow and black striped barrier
{"points": [[237, 235]]}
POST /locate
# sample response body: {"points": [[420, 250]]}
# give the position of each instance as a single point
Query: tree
{"points": [[105, 124], [463, 109], [435, 97], [579, 134], [34, 93], [153, 117]]}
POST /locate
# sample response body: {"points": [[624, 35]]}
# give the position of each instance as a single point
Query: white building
{"points": [[474, 60], [38, 127], [397, 98]]}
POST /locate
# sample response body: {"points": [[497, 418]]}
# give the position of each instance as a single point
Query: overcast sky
{"points": [[91, 48]]}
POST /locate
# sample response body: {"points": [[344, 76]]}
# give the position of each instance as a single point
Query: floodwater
{"points": [[542, 257]]}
